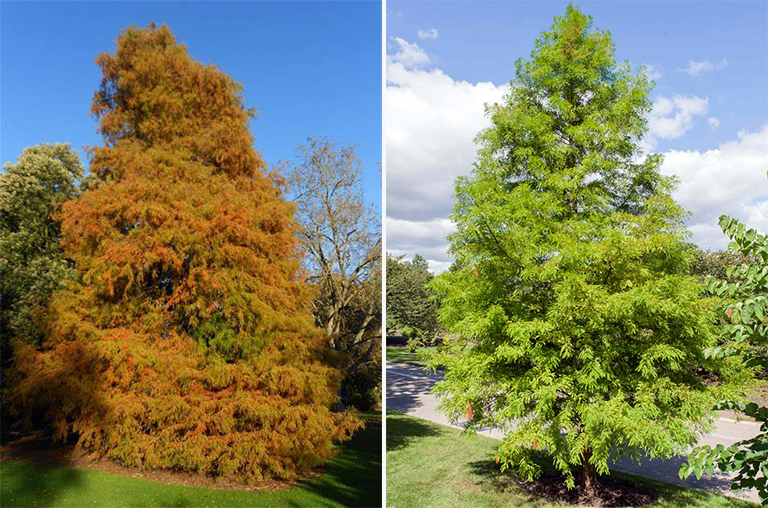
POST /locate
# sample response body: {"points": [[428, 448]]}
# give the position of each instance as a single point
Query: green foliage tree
{"points": [[411, 302], [746, 333], [187, 341], [581, 332], [709, 263], [32, 263]]}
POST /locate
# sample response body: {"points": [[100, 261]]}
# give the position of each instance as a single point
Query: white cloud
{"points": [[652, 71], [427, 238], [672, 117], [714, 123], [432, 120], [408, 54], [696, 69], [728, 180], [430, 33]]}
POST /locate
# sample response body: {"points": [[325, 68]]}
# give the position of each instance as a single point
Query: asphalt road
{"points": [[408, 389]]}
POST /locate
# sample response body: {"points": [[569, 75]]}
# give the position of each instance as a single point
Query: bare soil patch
{"points": [[609, 492]]}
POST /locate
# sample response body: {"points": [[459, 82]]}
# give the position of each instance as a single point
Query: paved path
{"points": [[408, 392]]}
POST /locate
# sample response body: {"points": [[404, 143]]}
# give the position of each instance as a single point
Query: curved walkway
{"points": [[408, 391]]}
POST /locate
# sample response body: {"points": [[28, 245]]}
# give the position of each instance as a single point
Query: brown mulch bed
{"points": [[40, 450], [609, 492]]}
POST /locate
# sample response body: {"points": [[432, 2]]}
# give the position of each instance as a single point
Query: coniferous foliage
{"points": [[188, 341], [582, 332]]}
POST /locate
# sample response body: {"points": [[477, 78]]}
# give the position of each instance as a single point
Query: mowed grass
{"points": [[352, 478], [404, 355], [431, 465]]}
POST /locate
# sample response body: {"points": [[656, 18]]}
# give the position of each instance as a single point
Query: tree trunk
{"points": [[588, 473]]}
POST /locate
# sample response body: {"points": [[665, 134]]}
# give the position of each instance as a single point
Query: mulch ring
{"points": [[608, 492], [41, 450]]}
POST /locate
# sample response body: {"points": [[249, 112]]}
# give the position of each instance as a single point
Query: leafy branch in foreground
{"points": [[747, 331]]}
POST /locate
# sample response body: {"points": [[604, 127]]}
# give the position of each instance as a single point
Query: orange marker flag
{"points": [[469, 411]]}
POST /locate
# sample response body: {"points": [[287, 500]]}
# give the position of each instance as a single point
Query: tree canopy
{"points": [[340, 234], [188, 340], [582, 333], [410, 300], [32, 264]]}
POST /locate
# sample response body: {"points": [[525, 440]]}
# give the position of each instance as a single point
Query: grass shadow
{"points": [[616, 490], [353, 477], [48, 483], [400, 431]]}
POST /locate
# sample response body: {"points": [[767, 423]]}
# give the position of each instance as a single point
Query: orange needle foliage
{"points": [[188, 341]]}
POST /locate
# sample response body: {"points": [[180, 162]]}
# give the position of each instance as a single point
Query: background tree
{"points": [[188, 341], [341, 237], [410, 301], [573, 289], [32, 263], [745, 286], [708, 263]]}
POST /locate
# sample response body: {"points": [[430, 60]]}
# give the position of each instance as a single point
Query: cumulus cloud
{"points": [[696, 69], [714, 123], [430, 33], [672, 117], [652, 71], [730, 179], [408, 55], [432, 120]]}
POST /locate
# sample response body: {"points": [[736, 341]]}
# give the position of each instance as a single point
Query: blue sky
{"points": [[446, 59], [480, 41], [309, 68]]}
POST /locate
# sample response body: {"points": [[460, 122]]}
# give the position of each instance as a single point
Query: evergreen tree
{"points": [[581, 332], [188, 342]]}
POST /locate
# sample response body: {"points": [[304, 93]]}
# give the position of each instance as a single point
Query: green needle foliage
{"points": [[581, 332], [746, 333]]}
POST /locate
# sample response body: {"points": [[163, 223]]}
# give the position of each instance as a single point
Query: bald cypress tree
{"points": [[582, 335], [188, 341]]}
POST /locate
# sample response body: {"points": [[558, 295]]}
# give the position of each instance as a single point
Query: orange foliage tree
{"points": [[188, 341]]}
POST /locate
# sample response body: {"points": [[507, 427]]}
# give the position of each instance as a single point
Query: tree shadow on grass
{"points": [[615, 490], [28, 484], [401, 431], [38, 469], [353, 477]]}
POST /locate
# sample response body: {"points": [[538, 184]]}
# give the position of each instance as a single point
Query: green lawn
{"points": [[431, 465], [352, 478], [404, 355]]}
